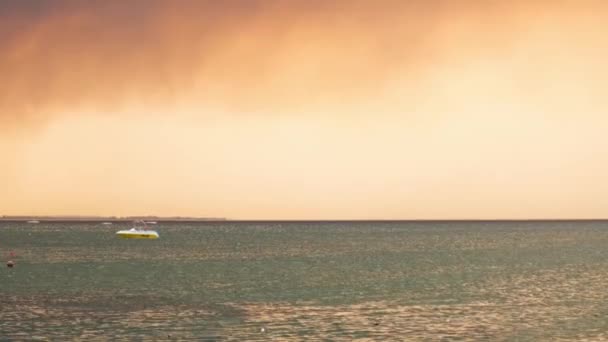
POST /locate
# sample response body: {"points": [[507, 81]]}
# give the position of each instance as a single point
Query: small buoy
{"points": [[262, 330], [10, 264]]}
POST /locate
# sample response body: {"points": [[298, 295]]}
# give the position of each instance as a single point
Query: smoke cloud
{"points": [[258, 56]]}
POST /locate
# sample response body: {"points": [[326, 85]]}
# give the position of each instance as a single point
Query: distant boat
{"points": [[138, 233], [33, 221], [151, 222], [107, 223]]}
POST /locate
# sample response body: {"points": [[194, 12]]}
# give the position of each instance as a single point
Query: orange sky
{"points": [[270, 109]]}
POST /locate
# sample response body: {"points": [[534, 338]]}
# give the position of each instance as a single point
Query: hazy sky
{"points": [[305, 109]]}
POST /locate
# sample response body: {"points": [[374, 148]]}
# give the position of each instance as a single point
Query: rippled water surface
{"points": [[307, 281]]}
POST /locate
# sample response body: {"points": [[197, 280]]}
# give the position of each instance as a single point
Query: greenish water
{"points": [[307, 281]]}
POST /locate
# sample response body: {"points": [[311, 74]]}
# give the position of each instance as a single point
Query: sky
{"points": [[304, 109]]}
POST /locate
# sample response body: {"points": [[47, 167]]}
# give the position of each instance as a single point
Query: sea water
{"points": [[247, 281]]}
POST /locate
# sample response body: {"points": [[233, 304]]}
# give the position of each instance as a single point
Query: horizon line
{"points": [[95, 218]]}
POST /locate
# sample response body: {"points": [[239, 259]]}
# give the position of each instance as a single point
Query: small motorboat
{"points": [[138, 233]]}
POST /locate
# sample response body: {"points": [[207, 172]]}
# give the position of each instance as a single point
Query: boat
{"points": [[138, 233], [33, 221]]}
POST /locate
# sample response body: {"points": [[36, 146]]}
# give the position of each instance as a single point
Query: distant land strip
{"points": [[11, 218]]}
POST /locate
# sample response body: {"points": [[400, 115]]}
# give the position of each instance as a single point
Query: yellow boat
{"points": [[135, 233], [138, 233]]}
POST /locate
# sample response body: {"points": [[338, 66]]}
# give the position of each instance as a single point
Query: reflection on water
{"points": [[307, 281]]}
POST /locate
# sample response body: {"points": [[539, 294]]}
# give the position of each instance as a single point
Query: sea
{"points": [[306, 281]]}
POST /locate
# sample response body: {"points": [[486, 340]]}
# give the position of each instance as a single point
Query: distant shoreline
{"points": [[107, 219]]}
